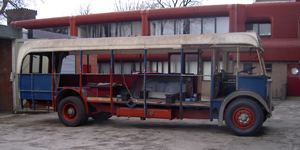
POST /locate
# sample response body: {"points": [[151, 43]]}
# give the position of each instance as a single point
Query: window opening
{"points": [[262, 29], [269, 68]]}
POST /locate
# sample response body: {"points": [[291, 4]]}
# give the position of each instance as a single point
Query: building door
{"points": [[293, 80]]}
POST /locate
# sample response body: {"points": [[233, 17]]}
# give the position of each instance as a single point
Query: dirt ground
{"points": [[45, 131]]}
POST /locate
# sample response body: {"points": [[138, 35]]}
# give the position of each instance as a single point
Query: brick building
{"points": [[7, 37], [277, 23]]}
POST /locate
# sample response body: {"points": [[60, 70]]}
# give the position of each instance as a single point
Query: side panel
{"points": [[35, 86], [139, 112], [256, 84]]}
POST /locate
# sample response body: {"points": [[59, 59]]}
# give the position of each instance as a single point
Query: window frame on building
{"points": [[258, 30], [269, 67], [157, 26]]}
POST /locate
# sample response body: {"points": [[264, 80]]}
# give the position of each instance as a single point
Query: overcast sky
{"points": [[59, 8]]}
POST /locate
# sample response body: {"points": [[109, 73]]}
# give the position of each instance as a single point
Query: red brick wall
{"points": [[20, 14], [92, 62], [6, 100]]}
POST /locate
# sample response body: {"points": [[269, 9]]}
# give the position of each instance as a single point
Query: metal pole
{"points": [[237, 68], [53, 70], [212, 75], [181, 72], [80, 75], [88, 63], [111, 82], [145, 69], [212, 80]]}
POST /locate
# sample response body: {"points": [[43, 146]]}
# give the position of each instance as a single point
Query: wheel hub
{"points": [[243, 118], [71, 111]]}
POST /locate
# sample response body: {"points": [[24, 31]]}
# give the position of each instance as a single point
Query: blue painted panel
{"points": [[42, 95], [25, 95], [42, 82], [37, 85], [151, 86], [256, 84], [25, 82], [215, 104]]}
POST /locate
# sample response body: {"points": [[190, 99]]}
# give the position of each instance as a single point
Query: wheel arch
{"points": [[70, 92], [241, 94]]}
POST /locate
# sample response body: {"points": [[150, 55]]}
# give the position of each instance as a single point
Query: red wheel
{"points": [[70, 111], [243, 118]]}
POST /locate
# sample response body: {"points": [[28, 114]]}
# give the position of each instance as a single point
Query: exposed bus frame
{"points": [[229, 42]]}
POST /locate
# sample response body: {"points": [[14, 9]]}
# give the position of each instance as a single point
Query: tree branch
{"points": [[5, 2], [160, 3]]}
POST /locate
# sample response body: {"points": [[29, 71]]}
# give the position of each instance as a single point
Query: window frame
{"points": [[186, 29], [270, 68], [40, 65], [258, 28]]}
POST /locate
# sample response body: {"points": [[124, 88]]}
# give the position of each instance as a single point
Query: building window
{"points": [[122, 29], [189, 26], [175, 63], [206, 70], [262, 29], [104, 68], [159, 67], [209, 25], [168, 27], [139, 66], [222, 24], [195, 26], [269, 68], [191, 63]]}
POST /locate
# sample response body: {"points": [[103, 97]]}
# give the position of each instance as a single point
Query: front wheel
{"points": [[71, 111], [244, 117]]}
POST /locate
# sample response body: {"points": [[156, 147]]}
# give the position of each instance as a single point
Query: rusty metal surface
{"points": [[162, 102]]}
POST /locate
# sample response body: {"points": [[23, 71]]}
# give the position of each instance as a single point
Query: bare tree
{"points": [[10, 4], [178, 3], [84, 9], [128, 5]]}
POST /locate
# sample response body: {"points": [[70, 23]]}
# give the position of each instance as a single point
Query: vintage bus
{"points": [[240, 97]]}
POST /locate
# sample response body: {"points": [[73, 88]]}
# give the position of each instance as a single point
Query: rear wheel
{"points": [[101, 116], [71, 111], [244, 117]]}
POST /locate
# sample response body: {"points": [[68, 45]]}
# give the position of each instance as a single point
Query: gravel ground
{"points": [[45, 131]]}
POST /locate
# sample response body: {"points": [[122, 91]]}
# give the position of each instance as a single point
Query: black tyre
{"points": [[244, 117], [71, 111], [101, 116], [85, 118]]}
